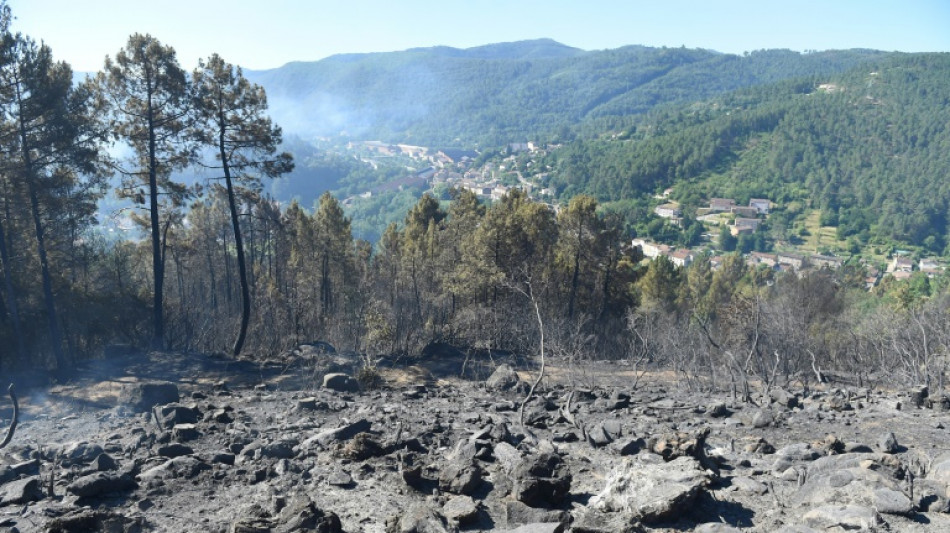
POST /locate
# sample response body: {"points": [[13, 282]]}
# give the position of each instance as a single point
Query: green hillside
{"points": [[870, 148], [495, 94]]}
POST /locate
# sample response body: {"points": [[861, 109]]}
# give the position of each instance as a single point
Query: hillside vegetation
{"points": [[500, 93], [867, 147]]}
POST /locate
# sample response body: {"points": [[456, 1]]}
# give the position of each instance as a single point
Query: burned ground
{"points": [[251, 447]]}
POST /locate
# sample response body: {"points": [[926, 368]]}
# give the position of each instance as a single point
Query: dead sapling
{"points": [[16, 417]]}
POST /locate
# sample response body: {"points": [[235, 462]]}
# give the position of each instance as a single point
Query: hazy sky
{"points": [[260, 34]]}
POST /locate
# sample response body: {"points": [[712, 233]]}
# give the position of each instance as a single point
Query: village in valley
{"points": [[517, 168], [747, 219]]}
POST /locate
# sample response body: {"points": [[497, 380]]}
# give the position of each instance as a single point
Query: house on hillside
{"points": [[651, 250], [829, 261], [670, 210], [794, 261], [760, 258], [721, 205], [745, 212], [681, 257], [761, 205], [900, 264], [932, 267], [745, 225]]}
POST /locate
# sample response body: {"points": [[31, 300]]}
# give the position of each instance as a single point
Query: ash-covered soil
{"points": [[171, 442]]}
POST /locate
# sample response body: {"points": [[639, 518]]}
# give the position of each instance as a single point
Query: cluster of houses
{"points": [[444, 158], [747, 218], [453, 167], [901, 267]]}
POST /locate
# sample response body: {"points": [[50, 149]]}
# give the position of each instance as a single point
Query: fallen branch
{"points": [[16, 417]]}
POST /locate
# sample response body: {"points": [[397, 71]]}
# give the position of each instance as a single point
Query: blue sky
{"points": [[266, 34]]}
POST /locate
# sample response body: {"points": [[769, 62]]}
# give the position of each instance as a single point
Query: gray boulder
{"points": [[503, 378], [22, 491], [101, 483], [420, 518], [340, 382], [169, 415], [542, 481], [843, 517], [648, 490], [460, 510], [142, 396], [859, 480]]}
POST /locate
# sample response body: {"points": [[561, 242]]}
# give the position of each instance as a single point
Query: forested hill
{"points": [[870, 148], [495, 94]]}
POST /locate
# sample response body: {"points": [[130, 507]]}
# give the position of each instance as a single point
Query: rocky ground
{"points": [[165, 442]]}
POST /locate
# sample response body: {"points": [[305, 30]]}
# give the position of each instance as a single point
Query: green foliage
{"points": [[528, 90]]}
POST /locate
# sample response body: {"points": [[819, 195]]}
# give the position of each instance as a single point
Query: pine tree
{"points": [[232, 119], [51, 138], [147, 94]]}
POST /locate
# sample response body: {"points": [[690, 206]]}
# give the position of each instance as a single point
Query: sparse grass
{"points": [[820, 236]]}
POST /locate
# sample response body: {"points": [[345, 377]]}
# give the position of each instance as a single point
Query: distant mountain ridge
{"points": [[498, 93]]}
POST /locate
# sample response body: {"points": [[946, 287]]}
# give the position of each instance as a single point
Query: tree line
{"points": [[222, 267], [60, 142]]}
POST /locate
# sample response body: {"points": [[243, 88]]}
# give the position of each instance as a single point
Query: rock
{"points": [[647, 491], [419, 518], [303, 515], [142, 396], [104, 463], [931, 496], [84, 521], [343, 433], [175, 450], [221, 416], [747, 484], [311, 404], [169, 415], [541, 481], [757, 445], [26, 468], [185, 432], [759, 418], [340, 382], [185, 467], [517, 513], [503, 378], [598, 437], [22, 491], [541, 527], [845, 517], [783, 398], [887, 443], [223, 458], [460, 478], [792, 455], [79, 453], [339, 478], [101, 483], [460, 510], [679, 444], [862, 480], [281, 449], [629, 446], [718, 410], [362, 447]]}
